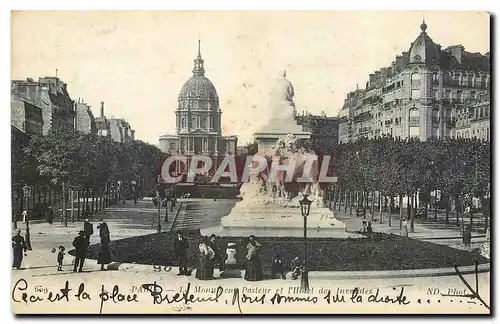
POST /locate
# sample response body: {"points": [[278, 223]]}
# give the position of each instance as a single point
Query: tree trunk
{"points": [[93, 203], [340, 199], [78, 205], [345, 201], [64, 211], [400, 211], [33, 198], [390, 212], [457, 209], [447, 219], [334, 197], [50, 196], [44, 194], [412, 215], [372, 209], [72, 197], [471, 216], [86, 208], [408, 210], [350, 202], [436, 206], [365, 203], [380, 208]]}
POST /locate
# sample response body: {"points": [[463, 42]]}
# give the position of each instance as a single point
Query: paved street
{"points": [[131, 220], [437, 232]]}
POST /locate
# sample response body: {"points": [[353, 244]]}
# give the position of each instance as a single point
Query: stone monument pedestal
{"points": [[278, 221]]}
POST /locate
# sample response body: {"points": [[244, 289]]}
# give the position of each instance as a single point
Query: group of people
{"points": [[210, 256], [82, 242]]}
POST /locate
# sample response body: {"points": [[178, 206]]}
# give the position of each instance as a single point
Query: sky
{"points": [[136, 62]]}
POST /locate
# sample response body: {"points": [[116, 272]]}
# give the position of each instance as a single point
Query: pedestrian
{"points": [[206, 256], [50, 215], [296, 267], [88, 229], [277, 268], [80, 243], [253, 266], [105, 252], [219, 254], [60, 257], [180, 250], [404, 228], [369, 230], [468, 236], [19, 248]]}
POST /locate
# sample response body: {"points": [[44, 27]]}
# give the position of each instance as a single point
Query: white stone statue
{"points": [[271, 187]]}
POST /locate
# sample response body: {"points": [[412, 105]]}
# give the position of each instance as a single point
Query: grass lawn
{"points": [[383, 252]]}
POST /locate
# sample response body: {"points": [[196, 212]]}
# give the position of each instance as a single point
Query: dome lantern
{"points": [[198, 69]]}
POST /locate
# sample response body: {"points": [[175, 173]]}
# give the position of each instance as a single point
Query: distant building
{"points": [[120, 130], [324, 130], [117, 128], [26, 117], [423, 93], [102, 123], [198, 119], [84, 119], [51, 96]]}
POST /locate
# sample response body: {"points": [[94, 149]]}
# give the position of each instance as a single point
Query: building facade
{"points": [[324, 131], [50, 94], [26, 117], [426, 92], [84, 118], [198, 119], [118, 129]]}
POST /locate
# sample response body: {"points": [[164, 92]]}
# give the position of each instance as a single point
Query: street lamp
{"points": [[305, 207], [27, 194]]}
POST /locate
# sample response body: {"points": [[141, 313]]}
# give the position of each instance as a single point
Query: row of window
{"points": [[195, 104], [481, 134], [198, 122]]}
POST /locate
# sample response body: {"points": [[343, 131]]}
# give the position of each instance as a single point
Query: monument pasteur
{"points": [[269, 204]]}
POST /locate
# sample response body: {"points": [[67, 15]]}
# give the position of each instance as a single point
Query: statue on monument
{"points": [[281, 102], [270, 186]]}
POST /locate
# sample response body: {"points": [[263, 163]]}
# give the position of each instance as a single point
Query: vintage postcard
{"points": [[200, 162]]}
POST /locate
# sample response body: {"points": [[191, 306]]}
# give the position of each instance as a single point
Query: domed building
{"points": [[198, 119]]}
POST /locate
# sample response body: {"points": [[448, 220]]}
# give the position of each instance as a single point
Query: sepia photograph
{"points": [[250, 162]]}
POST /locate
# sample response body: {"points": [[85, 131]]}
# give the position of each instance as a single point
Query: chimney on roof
{"points": [[102, 108]]}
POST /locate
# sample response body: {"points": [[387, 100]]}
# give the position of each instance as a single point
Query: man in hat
{"points": [[219, 255], [180, 249], [19, 247], [80, 243]]}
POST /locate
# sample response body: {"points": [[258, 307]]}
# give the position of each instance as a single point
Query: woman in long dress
{"points": [[105, 252], [253, 271], [205, 259]]}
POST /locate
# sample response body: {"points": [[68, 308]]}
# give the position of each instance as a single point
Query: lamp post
{"points": [[305, 207], [27, 194]]}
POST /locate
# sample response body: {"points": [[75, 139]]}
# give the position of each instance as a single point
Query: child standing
{"points": [[60, 258], [296, 267]]}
